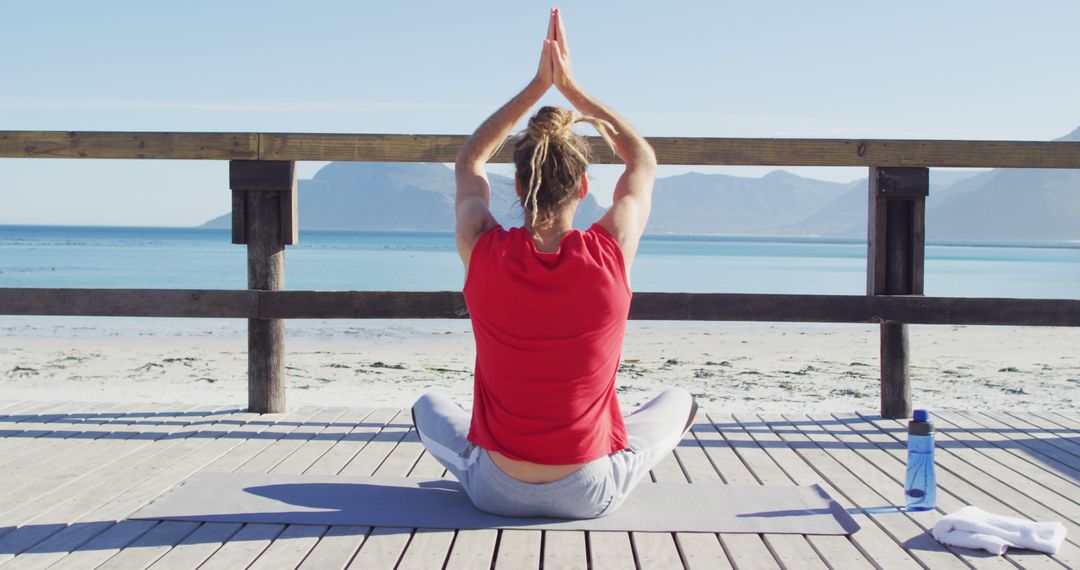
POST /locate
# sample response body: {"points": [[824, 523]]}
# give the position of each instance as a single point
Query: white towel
{"points": [[972, 527]]}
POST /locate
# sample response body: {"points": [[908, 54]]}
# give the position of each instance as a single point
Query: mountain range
{"points": [[995, 205]]}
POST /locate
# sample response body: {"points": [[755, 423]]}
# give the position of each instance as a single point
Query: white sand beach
{"points": [[759, 367]]}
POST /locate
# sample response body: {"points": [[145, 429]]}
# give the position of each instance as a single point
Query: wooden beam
{"points": [[895, 254], [239, 214], [444, 148], [697, 151], [278, 176], [129, 302], [365, 305], [914, 309], [266, 272], [90, 144], [700, 307]]}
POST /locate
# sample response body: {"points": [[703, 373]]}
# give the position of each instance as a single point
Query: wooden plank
{"points": [[1044, 485], [273, 455], [31, 504], [428, 466], [895, 267], [312, 450], [364, 304], [276, 176], [404, 456], [655, 550], [99, 448], [197, 547], [968, 484], [798, 464], [518, 549], [1031, 444], [429, 548], [1008, 486], [266, 272], [696, 151], [62, 435], [1041, 457], [346, 448], [383, 546], [1053, 431], [382, 549], [34, 413], [877, 469], [368, 459], [701, 306], [751, 550], [704, 549], [18, 443], [336, 548], [262, 175], [472, 548], [243, 547], [1065, 419], [565, 549], [289, 548], [953, 492], [112, 494], [105, 545], [699, 549], [128, 302], [867, 488], [45, 553], [91, 144], [150, 546], [914, 309], [237, 221], [840, 552], [444, 148], [611, 550], [659, 549], [118, 493]]}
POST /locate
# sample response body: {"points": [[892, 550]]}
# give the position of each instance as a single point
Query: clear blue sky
{"points": [[915, 69]]}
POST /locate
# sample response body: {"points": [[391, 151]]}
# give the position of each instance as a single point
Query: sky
{"points": [[962, 69]]}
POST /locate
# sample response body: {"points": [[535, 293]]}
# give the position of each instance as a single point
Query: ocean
{"points": [[140, 257]]}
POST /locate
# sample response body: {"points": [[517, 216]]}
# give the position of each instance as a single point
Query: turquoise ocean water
{"points": [[69, 256]]}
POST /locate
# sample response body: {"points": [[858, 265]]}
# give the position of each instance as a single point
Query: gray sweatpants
{"points": [[594, 490]]}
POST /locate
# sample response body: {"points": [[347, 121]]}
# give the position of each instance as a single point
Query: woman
{"points": [[549, 306]]}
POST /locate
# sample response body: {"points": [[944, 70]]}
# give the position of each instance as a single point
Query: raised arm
{"points": [[633, 192], [473, 190]]}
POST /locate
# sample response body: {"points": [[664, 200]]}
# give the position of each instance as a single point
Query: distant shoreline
{"points": [[648, 236]]}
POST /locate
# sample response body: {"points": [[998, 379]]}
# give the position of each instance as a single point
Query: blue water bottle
{"points": [[920, 486]]}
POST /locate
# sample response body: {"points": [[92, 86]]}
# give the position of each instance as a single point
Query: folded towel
{"points": [[972, 527]]}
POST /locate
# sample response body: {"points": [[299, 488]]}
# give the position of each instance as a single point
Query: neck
{"points": [[548, 236]]}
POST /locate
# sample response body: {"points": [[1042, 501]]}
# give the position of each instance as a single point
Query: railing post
{"points": [[264, 218], [896, 246]]}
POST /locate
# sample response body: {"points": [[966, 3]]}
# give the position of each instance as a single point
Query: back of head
{"points": [[551, 160]]}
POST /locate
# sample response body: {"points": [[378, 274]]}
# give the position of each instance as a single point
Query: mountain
{"points": [[720, 204], [847, 215], [398, 197], [1010, 204], [995, 205]]}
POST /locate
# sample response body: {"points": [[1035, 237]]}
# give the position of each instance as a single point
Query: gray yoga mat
{"points": [[442, 503]]}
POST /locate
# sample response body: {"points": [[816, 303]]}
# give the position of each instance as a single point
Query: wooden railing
{"points": [[263, 183]]}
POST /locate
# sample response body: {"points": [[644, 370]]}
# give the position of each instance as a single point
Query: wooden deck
{"points": [[71, 472]]}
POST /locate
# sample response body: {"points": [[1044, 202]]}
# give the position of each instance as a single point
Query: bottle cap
{"points": [[921, 416]]}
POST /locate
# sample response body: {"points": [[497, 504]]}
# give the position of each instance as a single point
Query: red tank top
{"points": [[549, 328]]}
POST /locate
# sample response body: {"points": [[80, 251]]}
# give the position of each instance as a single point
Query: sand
{"points": [[730, 367]]}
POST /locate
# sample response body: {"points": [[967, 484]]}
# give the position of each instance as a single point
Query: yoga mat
{"points": [[442, 503]]}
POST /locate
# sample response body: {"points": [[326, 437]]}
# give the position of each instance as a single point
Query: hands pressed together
{"points": [[555, 57]]}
